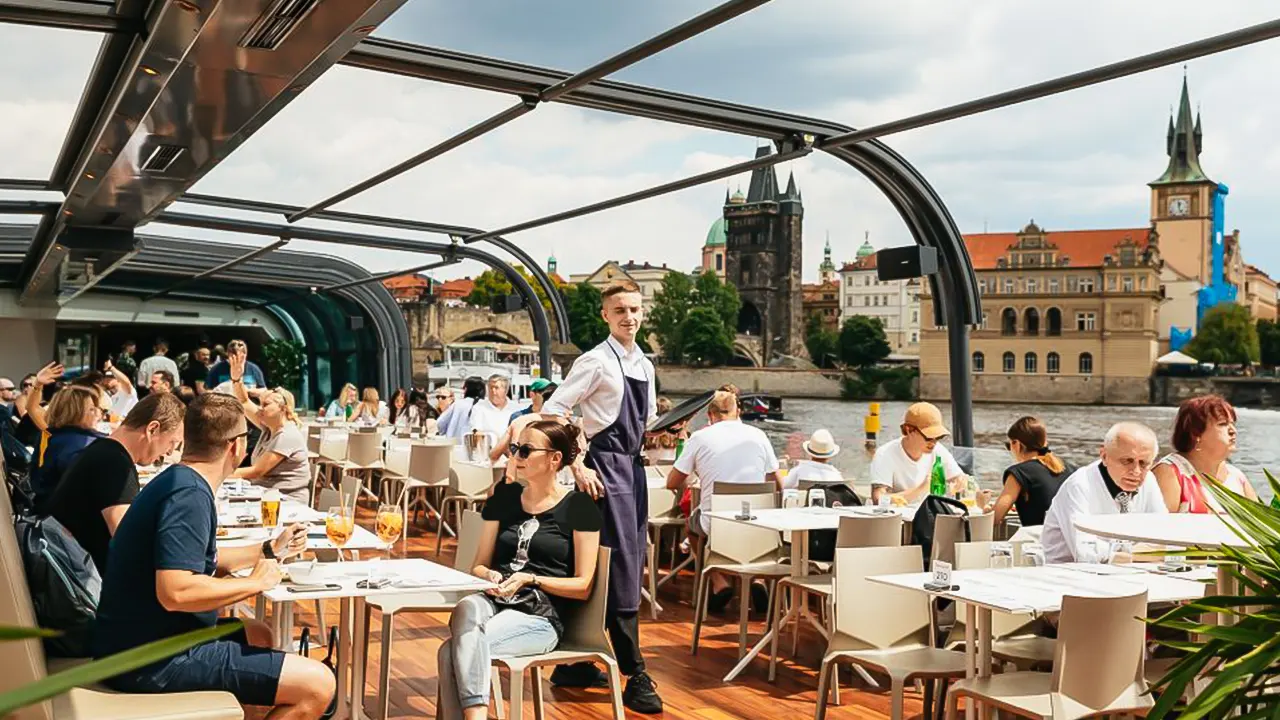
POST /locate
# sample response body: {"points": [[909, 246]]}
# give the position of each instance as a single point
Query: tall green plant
{"points": [[1241, 661], [284, 360]]}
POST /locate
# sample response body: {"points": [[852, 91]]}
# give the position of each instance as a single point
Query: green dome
{"points": [[718, 235], [866, 249]]}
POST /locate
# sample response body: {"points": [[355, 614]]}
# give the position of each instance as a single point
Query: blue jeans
{"points": [[479, 632]]}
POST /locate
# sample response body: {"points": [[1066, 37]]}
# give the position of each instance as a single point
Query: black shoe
{"points": [[719, 600], [641, 695], [579, 675], [759, 598]]}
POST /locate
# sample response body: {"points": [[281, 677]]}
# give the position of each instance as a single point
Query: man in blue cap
{"points": [[539, 391]]}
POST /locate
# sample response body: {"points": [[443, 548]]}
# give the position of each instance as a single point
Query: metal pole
{"points": [[690, 28], [219, 268], [66, 14], [386, 276], [1150, 61], [652, 192], [24, 184]]}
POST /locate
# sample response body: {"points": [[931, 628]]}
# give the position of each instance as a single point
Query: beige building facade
{"points": [[646, 275], [895, 302], [1260, 293]]}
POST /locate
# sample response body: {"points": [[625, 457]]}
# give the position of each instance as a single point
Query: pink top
{"points": [[1194, 498]]}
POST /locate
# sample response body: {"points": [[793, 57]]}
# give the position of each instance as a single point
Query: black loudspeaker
{"points": [[506, 304], [355, 322], [904, 263]]}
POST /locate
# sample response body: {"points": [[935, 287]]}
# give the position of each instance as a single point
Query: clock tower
{"points": [[1182, 199]]}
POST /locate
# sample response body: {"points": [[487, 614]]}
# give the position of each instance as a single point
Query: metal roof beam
{"points": [[690, 28], [257, 253], [25, 184], [1182, 53], [730, 171], [388, 275], [68, 15]]}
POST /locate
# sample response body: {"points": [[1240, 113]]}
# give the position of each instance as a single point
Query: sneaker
{"points": [[641, 695], [759, 598], [579, 675]]}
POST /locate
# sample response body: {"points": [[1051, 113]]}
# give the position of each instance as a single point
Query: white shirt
{"points": [[1085, 493], [728, 452], [124, 399], [490, 419], [595, 385], [893, 468], [155, 364], [811, 471]]}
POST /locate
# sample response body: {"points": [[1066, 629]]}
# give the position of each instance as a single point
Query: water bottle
{"points": [[937, 478]]}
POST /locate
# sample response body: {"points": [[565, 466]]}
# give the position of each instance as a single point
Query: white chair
{"points": [[663, 514], [741, 551], [428, 473], [584, 640], [1098, 667], [468, 487], [883, 628], [1012, 638]]}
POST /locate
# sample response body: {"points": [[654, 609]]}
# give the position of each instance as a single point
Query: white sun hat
{"points": [[821, 445]]}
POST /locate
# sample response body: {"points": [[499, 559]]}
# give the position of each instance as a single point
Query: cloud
{"points": [[1076, 160]]}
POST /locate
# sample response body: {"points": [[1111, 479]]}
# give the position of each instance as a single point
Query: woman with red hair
{"points": [[1204, 436]]}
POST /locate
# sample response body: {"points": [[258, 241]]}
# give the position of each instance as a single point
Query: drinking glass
{"points": [[817, 497], [270, 508], [1001, 555]]}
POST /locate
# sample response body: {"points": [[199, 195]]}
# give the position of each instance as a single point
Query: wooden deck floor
{"points": [[691, 686]]}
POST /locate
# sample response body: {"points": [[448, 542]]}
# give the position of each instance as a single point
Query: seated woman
{"points": [[399, 412], [1204, 436], [76, 416], [371, 410], [343, 407], [540, 544], [1033, 480], [279, 460]]}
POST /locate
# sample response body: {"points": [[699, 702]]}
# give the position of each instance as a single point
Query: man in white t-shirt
{"points": [[492, 415], [725, 451], [902, 466], [120, 387], [1120, 481]]}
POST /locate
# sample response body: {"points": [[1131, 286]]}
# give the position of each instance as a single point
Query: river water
{"points": [[1075, 433]]}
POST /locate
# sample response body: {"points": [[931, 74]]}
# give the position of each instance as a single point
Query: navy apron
{"points": [[614, 454]]}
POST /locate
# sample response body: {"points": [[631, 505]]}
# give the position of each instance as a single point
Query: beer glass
{"points": [[271, 508]]}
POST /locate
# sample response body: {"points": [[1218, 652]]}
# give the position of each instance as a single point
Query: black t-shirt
{"points": [[1039, 486], [195, 371], [103, 476], [541, 544], [27, 432]]}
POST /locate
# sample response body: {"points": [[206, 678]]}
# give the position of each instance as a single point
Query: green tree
{"points": [[492, 284], [1269, 342], [706, 340], [671, 305], [1227, 335], [823, 344], [587, 327], [862, 341], [710, 291]]}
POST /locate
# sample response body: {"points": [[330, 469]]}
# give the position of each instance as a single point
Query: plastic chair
{"points": [[584, 640], [1098, 667], [1013, 639], [663, 514], [468, 487], [882, 628]]}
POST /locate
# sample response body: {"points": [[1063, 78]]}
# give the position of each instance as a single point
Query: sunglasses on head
{"points": [[524, 451]]}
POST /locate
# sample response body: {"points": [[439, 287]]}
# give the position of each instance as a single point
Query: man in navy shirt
{"points": [[166, 575], [220, 373]]}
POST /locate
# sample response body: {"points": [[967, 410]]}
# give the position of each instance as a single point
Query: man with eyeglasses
{"points": [[8, 393], [1119, 481], [166, 575], [902, 467]]}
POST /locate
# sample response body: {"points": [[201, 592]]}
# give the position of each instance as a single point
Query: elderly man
{"points": [[1119, 481], [8, 393], [492, 415]]}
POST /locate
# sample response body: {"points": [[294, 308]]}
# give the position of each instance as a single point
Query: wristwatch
{"points": [[267, 551], [533, 580]]}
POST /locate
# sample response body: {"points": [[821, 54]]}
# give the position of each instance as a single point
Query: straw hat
{"points": [[821, 445]]}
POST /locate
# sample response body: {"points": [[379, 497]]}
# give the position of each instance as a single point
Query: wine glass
{"points": [[388, 526], [339, 526]]}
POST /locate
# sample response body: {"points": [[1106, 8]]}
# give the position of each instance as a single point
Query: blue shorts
{"points": [[231, 664]]}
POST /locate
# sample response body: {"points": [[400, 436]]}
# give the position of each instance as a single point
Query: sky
{"points": [[1076, 160]]}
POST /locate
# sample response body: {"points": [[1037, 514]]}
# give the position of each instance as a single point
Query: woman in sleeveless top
{"points": [[1204, 436], [1031, 483]]}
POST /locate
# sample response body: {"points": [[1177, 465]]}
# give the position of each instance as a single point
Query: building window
{"points": [[866, 280], [979, 362], [1126, 283], [1127, 256], [1008, 286], [848, 281], [1071, 284], [1053, 322], [866, 300], [1086, 285], [985, 317], [915, 317], [1086, 364], [1054, 286], [982, 286], [1031, 321], [1029, 363], [1111, 282], [1033, 286], [719, 262], [1086, 321], [1142, 283], [1007, 362], [915, 337], [1009, 322], [1052, 363]]}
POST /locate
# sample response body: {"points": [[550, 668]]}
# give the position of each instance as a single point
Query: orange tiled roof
{"points": [[1255, 270], [405, 281], [867, 262], [1083, 248], [458, 288]]}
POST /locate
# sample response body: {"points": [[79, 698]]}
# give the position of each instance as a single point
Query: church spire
{"points": [[1183, 145], [764, 181]]}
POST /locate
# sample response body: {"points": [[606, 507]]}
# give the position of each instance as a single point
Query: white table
{"points": [[416, 575], [798, 521], [1035, 591]]}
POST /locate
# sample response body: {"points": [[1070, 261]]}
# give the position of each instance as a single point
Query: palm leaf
{"points": [[10, 632], [109, 667]]}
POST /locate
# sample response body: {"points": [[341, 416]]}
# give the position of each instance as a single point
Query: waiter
{"points": [[613, 386]]}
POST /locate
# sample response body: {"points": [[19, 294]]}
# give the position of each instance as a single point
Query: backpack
{"points": [[63, 581], [822, 543], [926, 516]]}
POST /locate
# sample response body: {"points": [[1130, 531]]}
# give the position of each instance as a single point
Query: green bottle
{"points": [[937, 478], [679, 447]]}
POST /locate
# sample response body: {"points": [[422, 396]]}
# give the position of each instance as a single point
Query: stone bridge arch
{"points": [[747, 351], [489, 334]]}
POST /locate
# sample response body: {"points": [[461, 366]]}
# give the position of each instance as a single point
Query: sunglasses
{"points": [[443, 397], [8, 389], [28, 384], [524, 451]]}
